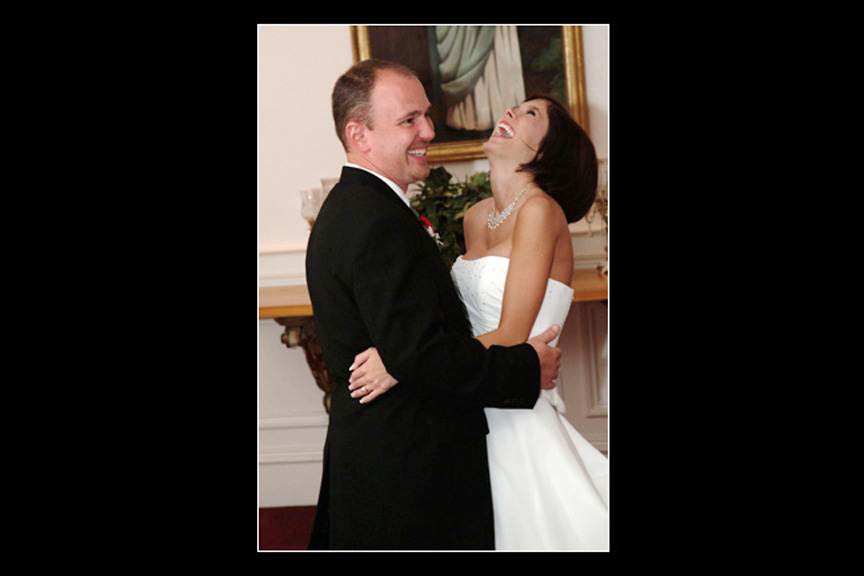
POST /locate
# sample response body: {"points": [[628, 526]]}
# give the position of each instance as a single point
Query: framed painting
{"points": [[473, 73]]}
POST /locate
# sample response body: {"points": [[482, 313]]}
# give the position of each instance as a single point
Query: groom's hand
{"points": [[550, 358]]}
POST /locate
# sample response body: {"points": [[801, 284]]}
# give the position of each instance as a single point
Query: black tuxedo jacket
{"points": [[408, 470]]}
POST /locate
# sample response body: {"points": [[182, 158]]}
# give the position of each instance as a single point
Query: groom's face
{"points": [[402, 128]]}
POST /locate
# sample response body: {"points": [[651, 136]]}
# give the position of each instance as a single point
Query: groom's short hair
{"points": [[352, 94]]}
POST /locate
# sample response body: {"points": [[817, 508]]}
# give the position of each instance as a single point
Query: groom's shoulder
{"points": [[356, 215], [357, 188], [355, 204], [360, 180]]}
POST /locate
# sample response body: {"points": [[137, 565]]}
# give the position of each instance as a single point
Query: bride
{"points": [[549, 485]]}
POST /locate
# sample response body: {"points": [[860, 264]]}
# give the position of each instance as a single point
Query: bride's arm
{"points": [[534, 236], [369, 377]]}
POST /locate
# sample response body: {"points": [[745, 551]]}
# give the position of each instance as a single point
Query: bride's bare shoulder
{"points": [[477, 213], [480, 208], [541, 212]]}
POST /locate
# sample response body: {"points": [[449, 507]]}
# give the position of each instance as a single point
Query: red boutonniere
{"points": [[428, 226]]}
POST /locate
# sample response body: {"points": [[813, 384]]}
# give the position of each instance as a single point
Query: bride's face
{"points": [[519, 133]]}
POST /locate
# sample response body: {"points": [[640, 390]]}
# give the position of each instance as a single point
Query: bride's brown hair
{"points": [[565, 166]]}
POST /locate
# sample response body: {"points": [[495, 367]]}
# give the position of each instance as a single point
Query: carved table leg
{"points": [[301, 332]]}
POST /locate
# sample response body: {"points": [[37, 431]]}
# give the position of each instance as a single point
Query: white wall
{"points": [[297, 147], [297, 144]]}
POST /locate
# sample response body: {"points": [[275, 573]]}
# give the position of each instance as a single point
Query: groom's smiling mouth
{"points": [[417, 152]]}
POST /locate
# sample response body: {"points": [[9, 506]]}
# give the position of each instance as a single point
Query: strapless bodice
{"points": [[481, 287]]}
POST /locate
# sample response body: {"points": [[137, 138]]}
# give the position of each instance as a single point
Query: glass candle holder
{"points": [[310, 204]]}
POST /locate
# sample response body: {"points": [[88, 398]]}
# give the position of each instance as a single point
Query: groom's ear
{"points": [[356, 136]]}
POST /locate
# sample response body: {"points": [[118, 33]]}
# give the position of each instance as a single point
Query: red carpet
{"points": [[285, 528]]}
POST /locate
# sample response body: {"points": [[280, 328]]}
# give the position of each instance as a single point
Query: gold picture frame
{"points": [[405, 44]]}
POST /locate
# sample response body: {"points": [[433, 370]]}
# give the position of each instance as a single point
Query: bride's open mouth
{"points": [[504, 130]]}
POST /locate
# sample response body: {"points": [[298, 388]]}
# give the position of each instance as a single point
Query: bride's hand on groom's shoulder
{"points": [[369, 377]]}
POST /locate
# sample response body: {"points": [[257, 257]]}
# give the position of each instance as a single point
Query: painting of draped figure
{"points": [[481, 74], [472, 74]]}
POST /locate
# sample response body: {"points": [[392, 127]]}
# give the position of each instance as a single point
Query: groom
{"points": [[408, 471]]}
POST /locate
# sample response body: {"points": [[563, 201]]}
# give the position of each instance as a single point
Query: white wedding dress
{"points": [[550, 486]]}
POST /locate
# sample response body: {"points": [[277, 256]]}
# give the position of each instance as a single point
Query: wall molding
{"points": [[293, 453], [293, 249], [293, 421], [276, 280], [591, 314], [299, 454], [584, 261], [599, 441], [282, 266]]}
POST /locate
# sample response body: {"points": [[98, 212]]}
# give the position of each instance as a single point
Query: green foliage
{"points": [[445, 203]]}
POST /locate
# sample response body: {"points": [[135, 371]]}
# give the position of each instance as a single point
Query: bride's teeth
{"points": [[505, 130]]}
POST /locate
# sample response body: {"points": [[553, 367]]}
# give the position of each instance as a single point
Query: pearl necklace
{"points": [[493, 221]]}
